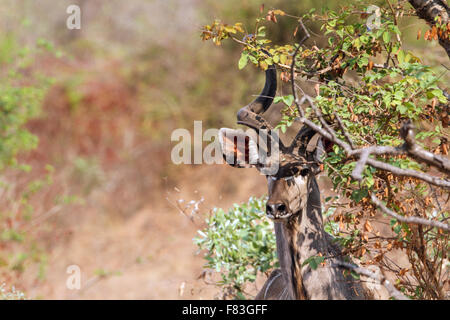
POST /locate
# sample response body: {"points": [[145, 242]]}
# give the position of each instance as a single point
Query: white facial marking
{"points": [[301, 192], [301, 180]]}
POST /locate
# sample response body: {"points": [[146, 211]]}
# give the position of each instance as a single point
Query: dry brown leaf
{"points": [[368, 226], [403, 271]]}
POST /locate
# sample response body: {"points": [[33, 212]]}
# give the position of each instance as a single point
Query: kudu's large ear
{"points": [[310, 145], [316, 148], [319, 146], [239, 148]]}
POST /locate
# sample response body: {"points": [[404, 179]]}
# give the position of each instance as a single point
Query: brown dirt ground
{"points": [[151, 254]]}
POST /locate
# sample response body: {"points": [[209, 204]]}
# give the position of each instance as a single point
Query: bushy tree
{"points": [[386, 113]]}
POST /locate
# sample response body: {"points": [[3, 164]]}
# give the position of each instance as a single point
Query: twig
{"points": [[344, 132], [394, 14]]}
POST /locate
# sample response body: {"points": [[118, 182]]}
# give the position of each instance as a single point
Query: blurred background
{"points": [[97, 188]]}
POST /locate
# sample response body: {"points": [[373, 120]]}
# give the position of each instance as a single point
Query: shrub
{"points": [[239, 243]]}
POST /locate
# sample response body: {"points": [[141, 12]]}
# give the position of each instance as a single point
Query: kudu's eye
{"points": [[304, 172]]}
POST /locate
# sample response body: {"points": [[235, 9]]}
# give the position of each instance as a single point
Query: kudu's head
{"points": [[289, 169]]}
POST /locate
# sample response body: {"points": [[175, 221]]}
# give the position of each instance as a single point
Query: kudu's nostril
{"points": [[270, 209], [281, 207], [275, 209]]}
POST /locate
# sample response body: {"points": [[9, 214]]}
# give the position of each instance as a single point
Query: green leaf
{"points": [[358, 195], [313, 261], [288, 100], [263, 65], [357, 43], [401, 56], [243, 60], [355, 275], [240, 296], [277, 99], [402, 109], [363, 61], [386, 37]]}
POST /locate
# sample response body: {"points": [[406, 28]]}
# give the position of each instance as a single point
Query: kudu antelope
{"points": [[293, 204]]}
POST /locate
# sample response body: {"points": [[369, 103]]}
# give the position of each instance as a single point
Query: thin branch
{"points": [[393, 292], [359, 168], [414, 220], [344, 132], [394, 14]]}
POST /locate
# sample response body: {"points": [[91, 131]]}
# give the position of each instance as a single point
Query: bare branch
{"points": [[414, 220], [359, 168], [378, 277], [443, 183]]}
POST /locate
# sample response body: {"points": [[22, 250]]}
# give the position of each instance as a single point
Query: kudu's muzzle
{"points": [[277, 211]]}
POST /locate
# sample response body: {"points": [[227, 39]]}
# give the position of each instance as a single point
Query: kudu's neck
{"points": [[311, 236], [303, 237], [299, 238]]}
